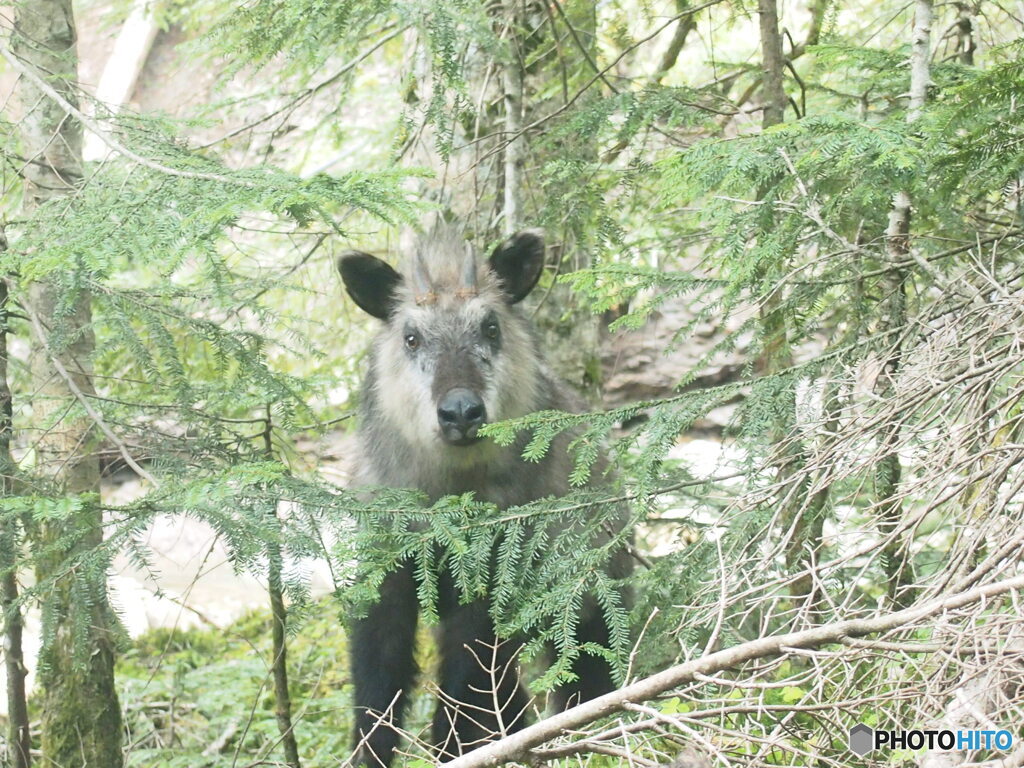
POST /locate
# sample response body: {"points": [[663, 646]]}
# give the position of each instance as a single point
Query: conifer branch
{"points": [[75, 390], [105, 136]]}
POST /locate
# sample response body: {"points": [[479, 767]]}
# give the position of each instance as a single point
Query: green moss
{"points": [[79, 712], [182, 690]]}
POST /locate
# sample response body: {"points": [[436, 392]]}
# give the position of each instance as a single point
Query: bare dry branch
{"points": [[518, 745]]}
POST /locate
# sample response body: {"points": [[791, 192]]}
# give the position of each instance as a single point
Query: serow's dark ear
{"points": [[369, 281], [518, 263]]}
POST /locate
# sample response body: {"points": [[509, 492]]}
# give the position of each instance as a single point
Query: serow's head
{"points": [[453, 354]]}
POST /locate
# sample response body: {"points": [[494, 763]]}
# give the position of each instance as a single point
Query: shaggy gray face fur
{"points": [[453, 354]]}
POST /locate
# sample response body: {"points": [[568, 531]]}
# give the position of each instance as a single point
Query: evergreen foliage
{"points": [[219, 340]]}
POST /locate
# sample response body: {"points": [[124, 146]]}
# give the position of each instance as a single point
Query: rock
{"points": [[645, 364]]}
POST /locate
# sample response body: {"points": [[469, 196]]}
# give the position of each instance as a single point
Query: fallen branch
{"points": [[516, 746], [217, 745]]}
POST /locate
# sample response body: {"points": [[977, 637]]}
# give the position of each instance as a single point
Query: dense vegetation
{"points": [[835, 189]]}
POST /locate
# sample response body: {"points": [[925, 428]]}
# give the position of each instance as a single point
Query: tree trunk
{"points": [[683, 29], [512, 86], [279, 663], [772, 62], [777, 355], [571, 333], [801, 516], [965, 46], [19, 742], [81, 718], [279, 627], [897, 245]]}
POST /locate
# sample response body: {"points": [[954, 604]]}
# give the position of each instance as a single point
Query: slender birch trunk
{"points": [[512, 86], [897, 246]]}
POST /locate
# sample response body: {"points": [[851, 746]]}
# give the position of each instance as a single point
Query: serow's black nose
{"points": [[461, 413]]}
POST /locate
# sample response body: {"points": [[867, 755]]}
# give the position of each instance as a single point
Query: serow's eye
{"points": [[412, 342], [491, 331]]}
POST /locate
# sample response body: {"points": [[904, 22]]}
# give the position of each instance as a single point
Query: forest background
{"points": [[794, 227]]}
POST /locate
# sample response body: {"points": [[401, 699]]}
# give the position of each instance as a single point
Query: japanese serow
{"points": [[454, 352]]}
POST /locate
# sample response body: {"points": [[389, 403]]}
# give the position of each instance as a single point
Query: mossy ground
{"points": [[183, 691], [202, 698]]}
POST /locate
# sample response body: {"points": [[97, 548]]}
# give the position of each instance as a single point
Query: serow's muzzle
{"points": [[461, 413]]}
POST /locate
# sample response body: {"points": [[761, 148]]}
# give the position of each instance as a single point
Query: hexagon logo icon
{"points": [[862, 739]]}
